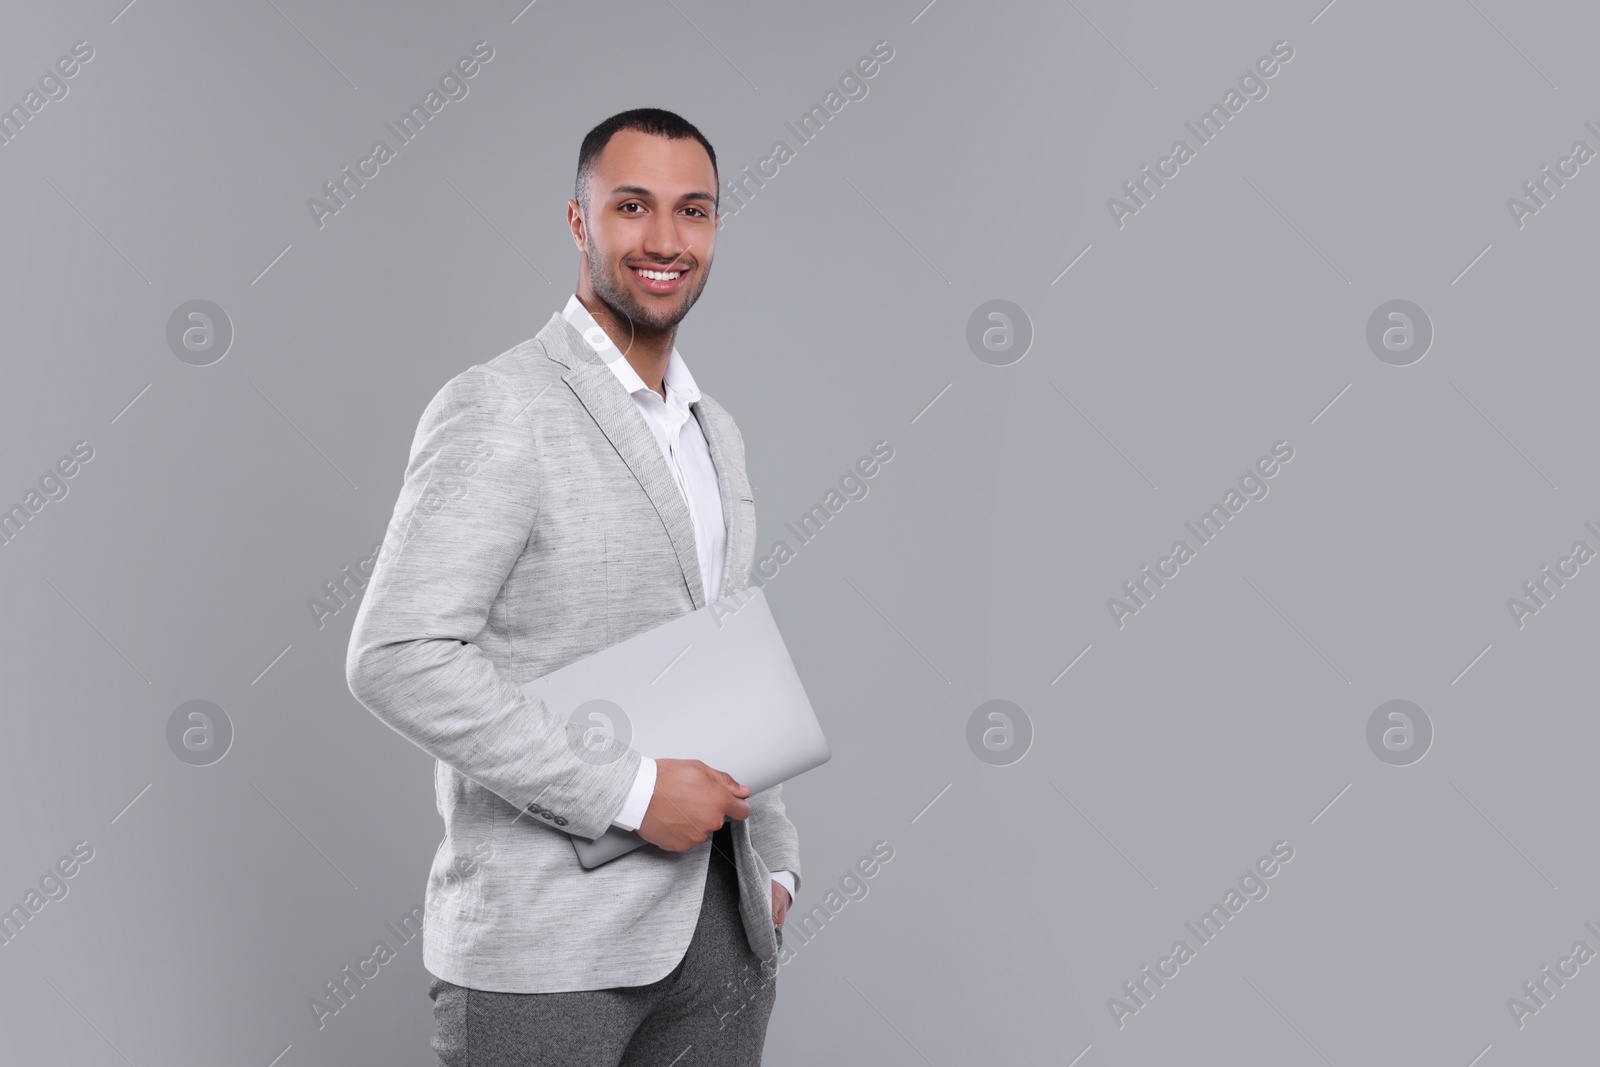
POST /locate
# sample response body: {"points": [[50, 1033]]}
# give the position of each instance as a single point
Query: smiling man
{"points": [[560, 498]]}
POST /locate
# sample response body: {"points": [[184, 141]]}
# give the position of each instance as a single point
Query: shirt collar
{"points": [[678, 381]]}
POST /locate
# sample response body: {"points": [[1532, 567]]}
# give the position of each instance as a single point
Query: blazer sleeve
{"points": [[772, 835], [464, 516]]}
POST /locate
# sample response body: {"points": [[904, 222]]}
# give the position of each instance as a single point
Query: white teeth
{"points": [[657, 275]]}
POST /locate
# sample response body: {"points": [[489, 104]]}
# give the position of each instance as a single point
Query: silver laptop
{"points": [[715, 685]]}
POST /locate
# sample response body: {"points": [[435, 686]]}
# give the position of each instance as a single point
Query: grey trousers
{"points": [[711, 1010]]}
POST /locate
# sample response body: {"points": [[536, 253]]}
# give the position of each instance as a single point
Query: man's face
{"points": [[651, 207]]}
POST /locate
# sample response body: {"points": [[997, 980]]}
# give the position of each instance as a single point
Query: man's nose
{"points": [[662, 240]]}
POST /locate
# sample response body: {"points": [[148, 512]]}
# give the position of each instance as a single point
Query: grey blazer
{"points": [[538, 523]]}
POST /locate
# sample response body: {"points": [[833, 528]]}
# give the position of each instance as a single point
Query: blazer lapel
{"points": [[741, 534], [618, 417]]}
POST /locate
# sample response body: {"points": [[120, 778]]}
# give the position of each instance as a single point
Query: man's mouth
{"points": [[658, 281]]}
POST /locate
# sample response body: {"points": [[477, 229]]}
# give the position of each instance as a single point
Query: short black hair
{"points": [[651, 120]]}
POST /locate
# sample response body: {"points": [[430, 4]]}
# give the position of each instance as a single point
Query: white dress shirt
{"points": [[688, 457]]}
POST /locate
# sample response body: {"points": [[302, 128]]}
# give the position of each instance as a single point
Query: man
{"points": [[560, 498]]}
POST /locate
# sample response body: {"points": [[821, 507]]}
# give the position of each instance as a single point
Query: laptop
{"points": [[716, 685]]}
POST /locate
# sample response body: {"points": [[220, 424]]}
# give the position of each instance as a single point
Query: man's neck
{"points": [[647, 350]]}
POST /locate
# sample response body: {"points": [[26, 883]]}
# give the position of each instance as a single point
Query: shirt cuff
{"points": [[631, 817], [785, 879]]}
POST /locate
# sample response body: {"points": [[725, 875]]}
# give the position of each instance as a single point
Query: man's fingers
{"points": [[688, 820], [733, 785]]}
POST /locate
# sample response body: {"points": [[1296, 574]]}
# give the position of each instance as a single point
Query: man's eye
{"points": [[625, 207], [696, 210]]}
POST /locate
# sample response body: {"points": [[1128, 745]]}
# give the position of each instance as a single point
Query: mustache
{"points": [[682, 259], [670, 264]]}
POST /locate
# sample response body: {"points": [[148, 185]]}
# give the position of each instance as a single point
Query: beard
{"points": [[624, 302]]}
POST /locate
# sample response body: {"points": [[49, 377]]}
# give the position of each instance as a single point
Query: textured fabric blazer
{"points": [[538, 523]]}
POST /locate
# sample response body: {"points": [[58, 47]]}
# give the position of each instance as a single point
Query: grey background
{"points": [[1225, 316]]}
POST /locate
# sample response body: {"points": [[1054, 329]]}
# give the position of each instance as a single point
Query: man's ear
{"points": [[577, 225]]}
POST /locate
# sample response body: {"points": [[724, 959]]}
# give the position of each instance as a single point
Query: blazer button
{"points": [[561, 820]]}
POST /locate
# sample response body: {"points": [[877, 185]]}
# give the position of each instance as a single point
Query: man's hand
{"points": [[780, 903], [690, 801]]}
